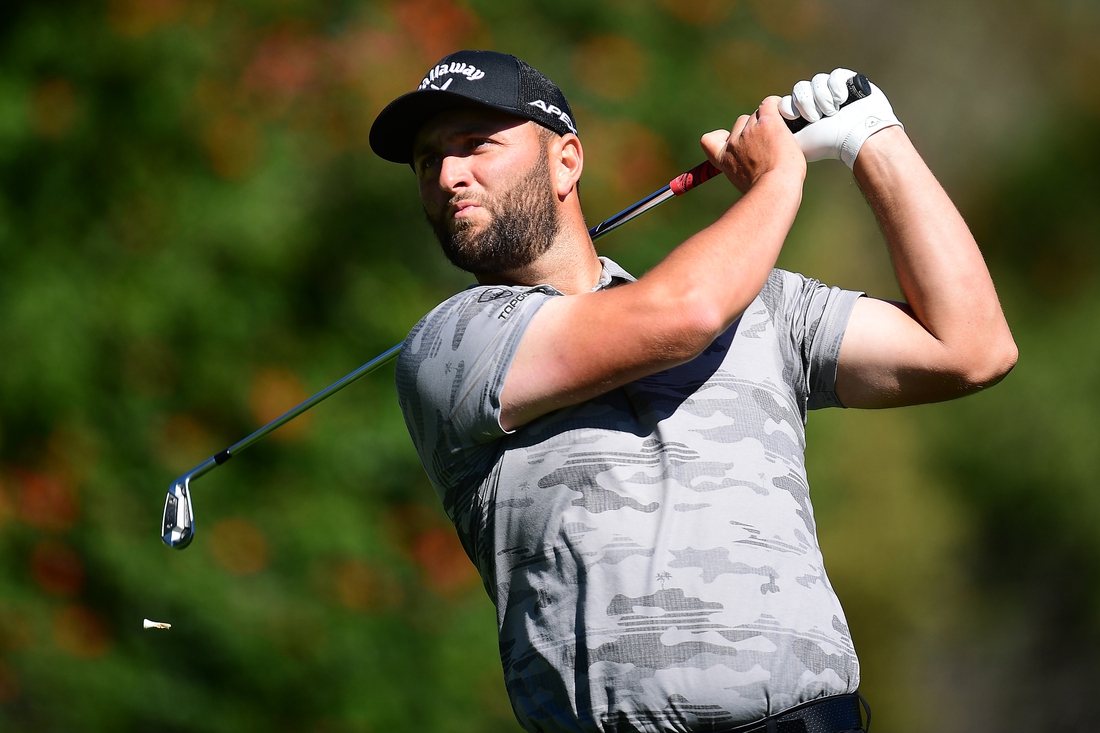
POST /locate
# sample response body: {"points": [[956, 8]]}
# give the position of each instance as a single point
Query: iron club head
{"points": [[178, 524]]}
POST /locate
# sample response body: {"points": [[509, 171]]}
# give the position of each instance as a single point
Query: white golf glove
{"points": [[835, 132]]}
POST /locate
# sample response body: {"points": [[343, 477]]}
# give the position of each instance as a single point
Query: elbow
{"points": [[693, 322], [992, 365], [1003, 363]]}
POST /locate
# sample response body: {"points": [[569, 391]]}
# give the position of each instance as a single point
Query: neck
{"points": [[571, 265]]}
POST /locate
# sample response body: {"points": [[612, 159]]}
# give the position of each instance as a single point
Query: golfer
{"points": [[622, 457]]}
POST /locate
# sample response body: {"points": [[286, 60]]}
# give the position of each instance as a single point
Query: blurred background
{"points": [[194, 236]]}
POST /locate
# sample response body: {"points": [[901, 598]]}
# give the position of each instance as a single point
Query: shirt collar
{"points": [[613, 274]]}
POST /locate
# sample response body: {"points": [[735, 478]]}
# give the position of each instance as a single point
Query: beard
{"points": [[522, 226]]}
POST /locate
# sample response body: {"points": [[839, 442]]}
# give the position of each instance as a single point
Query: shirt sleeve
{"points": [[451, 372], [818, 317]]}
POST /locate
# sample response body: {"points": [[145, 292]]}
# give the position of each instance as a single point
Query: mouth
{"points": [[464, 209]]}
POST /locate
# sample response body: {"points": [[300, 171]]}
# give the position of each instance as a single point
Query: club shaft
{"points": [[178, 520], [324, 394], [652, 200], [679, 186], [858, 87]]}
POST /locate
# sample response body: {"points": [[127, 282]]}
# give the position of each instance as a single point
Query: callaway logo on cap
{"points": [[487, 78]]}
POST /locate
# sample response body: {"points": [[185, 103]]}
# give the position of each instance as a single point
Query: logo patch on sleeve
{"points": [[494, 294]]}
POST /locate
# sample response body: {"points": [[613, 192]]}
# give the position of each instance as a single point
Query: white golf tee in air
{"points": [[155, 625]]}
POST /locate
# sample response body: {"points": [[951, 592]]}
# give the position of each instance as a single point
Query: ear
{"points": [[566, 164]]}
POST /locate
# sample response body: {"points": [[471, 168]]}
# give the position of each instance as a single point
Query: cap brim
{"points": [[394, 130]]}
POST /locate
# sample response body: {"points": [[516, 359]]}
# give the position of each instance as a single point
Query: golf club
{"points": [[178, 520], [178, 525]]}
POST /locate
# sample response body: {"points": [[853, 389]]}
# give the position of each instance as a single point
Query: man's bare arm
{"points": [[580, 346], [951, 338]]}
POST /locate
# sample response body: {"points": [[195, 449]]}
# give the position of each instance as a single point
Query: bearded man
{"points": [[623, 458]]}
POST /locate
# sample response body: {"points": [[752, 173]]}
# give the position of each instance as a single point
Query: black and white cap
{"points": [[463, 79]]}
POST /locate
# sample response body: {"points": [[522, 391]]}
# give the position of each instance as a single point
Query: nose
{"points": [[454, 173]]}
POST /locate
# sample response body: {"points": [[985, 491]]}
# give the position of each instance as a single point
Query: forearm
{"points": [[592, 343], [581, 346], [938, 264], [717, 272]]}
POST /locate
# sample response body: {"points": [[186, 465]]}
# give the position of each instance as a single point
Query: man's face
{"points": [[484, 181]]}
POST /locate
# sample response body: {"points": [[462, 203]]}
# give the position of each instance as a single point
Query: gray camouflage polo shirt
{"points": [[652, 552]]}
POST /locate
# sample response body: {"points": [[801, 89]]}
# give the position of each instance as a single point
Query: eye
{"points": [[427, 162]]}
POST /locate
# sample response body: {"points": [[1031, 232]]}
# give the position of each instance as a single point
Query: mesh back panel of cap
{"points": [[533, 85]]}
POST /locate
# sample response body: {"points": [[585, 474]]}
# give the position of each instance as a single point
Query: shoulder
{"points": [[805, 309], [788, 281], [493, 301], [786, 290], [468, 323], [781, 290], [473, 299]]}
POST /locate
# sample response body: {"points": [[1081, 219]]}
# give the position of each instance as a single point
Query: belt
{"points": [[835, 714]]}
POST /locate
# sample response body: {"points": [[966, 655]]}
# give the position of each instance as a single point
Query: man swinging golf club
{"points": [[622, 458]]}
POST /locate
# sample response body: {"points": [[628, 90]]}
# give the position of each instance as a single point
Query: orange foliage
{"points": [[642, 162], [633, 160], [372, 67], [330, 86], [57, 568], [135, 18], [9, 685], [438, 27], [613, 67], [46, 502], [239, 546], [213, 96], [361, 587], [7, 505], [183, 441], [287, 65], [703, 13], [71, 454], [81, 632], [379, 65], [444, 563], [1083, 59], [420, 535], [232, 145], [748, 71], [792, 20], [16, 631], [53, 109], [402, 524], [275, 391], [150, 368], [285, 62]]}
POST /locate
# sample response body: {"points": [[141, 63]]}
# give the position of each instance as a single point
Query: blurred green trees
{"points": [[194, 236]]}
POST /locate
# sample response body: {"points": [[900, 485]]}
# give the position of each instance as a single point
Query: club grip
{"points": [[701, 173], [858, 88]]}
